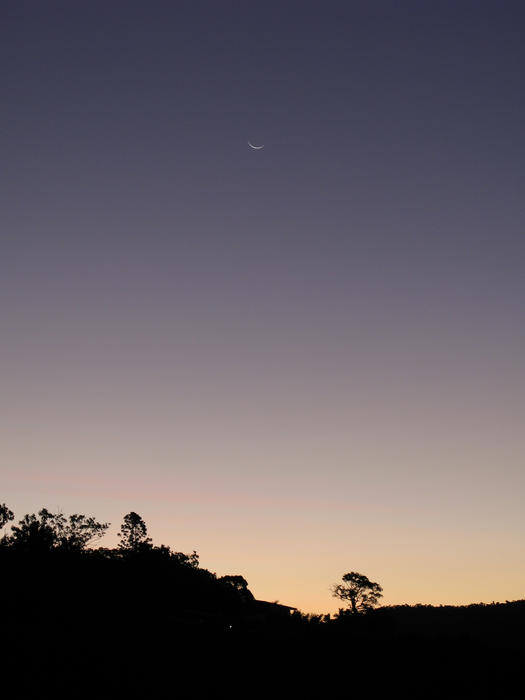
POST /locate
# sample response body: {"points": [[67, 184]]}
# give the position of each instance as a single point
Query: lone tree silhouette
{"points": [[133, 534], [358, 592]]}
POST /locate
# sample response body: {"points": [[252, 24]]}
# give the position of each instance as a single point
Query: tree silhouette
{"points": [[133, 534], [358, 592], [36, 533], [5, 515], [190, 560], [79, 531], [47, 531], [239, 584]]}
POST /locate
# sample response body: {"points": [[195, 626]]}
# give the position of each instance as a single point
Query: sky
{"points": [[299, 361]]}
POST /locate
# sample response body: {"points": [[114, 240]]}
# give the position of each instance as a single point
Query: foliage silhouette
{"points": [[80, 530], [133, 534], [239, 584], [358, 591], [5, 515], [47, 531]]}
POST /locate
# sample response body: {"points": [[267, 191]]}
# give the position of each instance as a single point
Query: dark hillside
{"points": [[142, 620]]}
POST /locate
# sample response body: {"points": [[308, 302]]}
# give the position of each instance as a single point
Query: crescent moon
{"points": [[255, 148]]}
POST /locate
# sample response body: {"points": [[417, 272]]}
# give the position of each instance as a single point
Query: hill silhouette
{"points": [[144, 620]]}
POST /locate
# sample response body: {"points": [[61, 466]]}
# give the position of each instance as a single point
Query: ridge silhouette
{"points": [[144, 619]]}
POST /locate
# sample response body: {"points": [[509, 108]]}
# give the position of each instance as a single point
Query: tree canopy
{"points": [[47, 531], [133, 533], [238, 584], [5, 515], [358, 592]]}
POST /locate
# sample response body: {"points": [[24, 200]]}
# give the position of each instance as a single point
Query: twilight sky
{"points": [[299, 361]]}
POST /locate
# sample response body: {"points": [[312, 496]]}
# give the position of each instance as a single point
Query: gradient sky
{"points": [[299, 361]]}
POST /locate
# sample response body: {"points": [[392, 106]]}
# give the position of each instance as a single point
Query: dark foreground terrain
{"points": [[144, 621], [150, 626]]}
